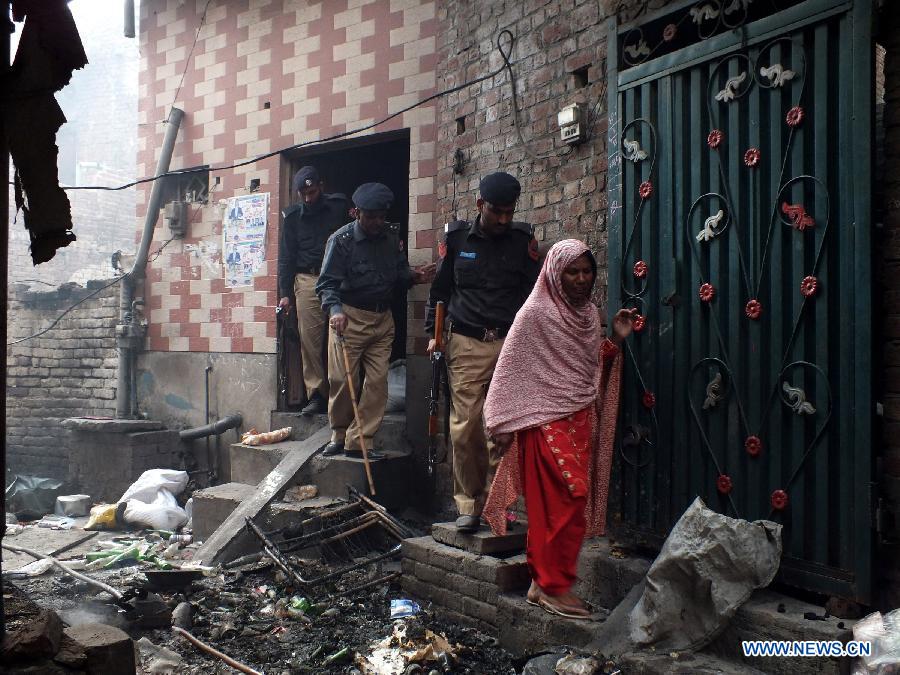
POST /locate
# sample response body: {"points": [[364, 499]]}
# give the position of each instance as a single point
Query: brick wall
{"points": [[563, 189], [266, 75], [98, 146], [69, 371]]}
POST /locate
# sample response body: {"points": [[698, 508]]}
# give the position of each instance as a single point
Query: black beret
{"points": [[499, 188], [306, 177], [373, 197]]}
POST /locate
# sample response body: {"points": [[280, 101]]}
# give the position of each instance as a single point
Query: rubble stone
{"points": [[108, 650], [32, 636]]}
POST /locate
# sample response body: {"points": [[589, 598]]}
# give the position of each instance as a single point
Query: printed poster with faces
{"points": [[244, 238]]}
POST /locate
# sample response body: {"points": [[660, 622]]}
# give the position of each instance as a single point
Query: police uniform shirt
{"points": [[362, 271], [484, 280], [304, 232]]}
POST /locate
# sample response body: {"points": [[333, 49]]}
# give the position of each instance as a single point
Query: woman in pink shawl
{"points": [[552, 408]]}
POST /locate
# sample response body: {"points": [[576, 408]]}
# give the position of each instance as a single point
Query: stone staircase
{"points": [[247, 465]]}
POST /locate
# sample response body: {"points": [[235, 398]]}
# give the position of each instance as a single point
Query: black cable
{"points": [[507, 65], [187, 61], [88, 297]]}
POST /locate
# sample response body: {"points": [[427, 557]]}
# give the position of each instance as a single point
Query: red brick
{"points": [[242, 345], [425, 238], [220, 314], [198, 344], [232, 330], [159, 344]]}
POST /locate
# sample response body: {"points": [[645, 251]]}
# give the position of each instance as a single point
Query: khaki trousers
{"points": [[470, 366], [311, 325], [369, 338]]}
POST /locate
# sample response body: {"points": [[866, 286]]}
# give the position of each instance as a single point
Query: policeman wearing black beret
{"points": [[305, 228], [365, 261], [486, 271]]}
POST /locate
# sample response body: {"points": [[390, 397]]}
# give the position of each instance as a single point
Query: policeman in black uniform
{"points": [[486, 272], [364, 262], [305, 229]]}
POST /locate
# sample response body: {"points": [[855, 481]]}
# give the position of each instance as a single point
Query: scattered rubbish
{"points": [[103, 517], [157, 660], [882, 632], [404, 647], [151, 500], [708, 567], [576, 665], [253, 437], [68, 570], [181, 615], [30, 497], [781, 608], [339, 656], [169, 580], [56, 522], [812, 616], [300, 493], [32, 569], [214, 652], [357, 532], [14, 529], [131, 554], [403, 608], [75, 506]]}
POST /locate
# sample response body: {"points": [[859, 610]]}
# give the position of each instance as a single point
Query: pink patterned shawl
{"points": [[554, 362]]}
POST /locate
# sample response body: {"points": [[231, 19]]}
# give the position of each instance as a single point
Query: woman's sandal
{"points": [[546, 603]]}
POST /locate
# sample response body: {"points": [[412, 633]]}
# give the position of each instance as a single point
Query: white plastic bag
{"points": [[153, 480], [162, 514]]}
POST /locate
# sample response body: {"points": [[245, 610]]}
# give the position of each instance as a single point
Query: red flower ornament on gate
{"points": [[707, 292], [645, 189], [809, 286], [638, 322], [753, 446], [640, 269], [723, 484], [669, 32], [794, 116], [714, 140], [649, 400], [753, 309], [752, 157], [798, 216], [779, 500]]}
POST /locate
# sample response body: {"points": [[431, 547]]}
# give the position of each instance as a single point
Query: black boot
{"points": [[316, 405], [333, 448]]}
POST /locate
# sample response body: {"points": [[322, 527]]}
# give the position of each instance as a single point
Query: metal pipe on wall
{"points": [[129, 334], [129, 18]]}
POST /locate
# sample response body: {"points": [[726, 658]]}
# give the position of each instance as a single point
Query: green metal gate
{"points": [[740, 214]]}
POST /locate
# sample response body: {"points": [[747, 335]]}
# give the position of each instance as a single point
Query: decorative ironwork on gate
{"points": [[739, 214]]}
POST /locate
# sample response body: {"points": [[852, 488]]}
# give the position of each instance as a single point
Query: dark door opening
{"points": [[344, 166]]}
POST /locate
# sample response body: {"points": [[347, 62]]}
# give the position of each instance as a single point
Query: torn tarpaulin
{"points": [[49, 51]]}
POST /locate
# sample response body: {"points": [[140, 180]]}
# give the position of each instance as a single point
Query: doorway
{"points": [[344, 166]]}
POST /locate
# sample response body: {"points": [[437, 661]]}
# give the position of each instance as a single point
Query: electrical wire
{"points": [[155, 255], [187, 61], [507, 65]]}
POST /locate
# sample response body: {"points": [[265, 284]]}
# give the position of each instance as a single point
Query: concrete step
{"points": [[483, 541], [213, 505], [392, 476], [606, 573], [759, 619], [464, 586], [252, 463], [391, 435], [526, 629]]}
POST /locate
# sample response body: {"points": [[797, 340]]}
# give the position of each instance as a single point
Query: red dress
{"points": [[555, 464]]}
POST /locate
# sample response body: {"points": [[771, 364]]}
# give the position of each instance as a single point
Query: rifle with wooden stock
{"points": [[434, 396]]}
